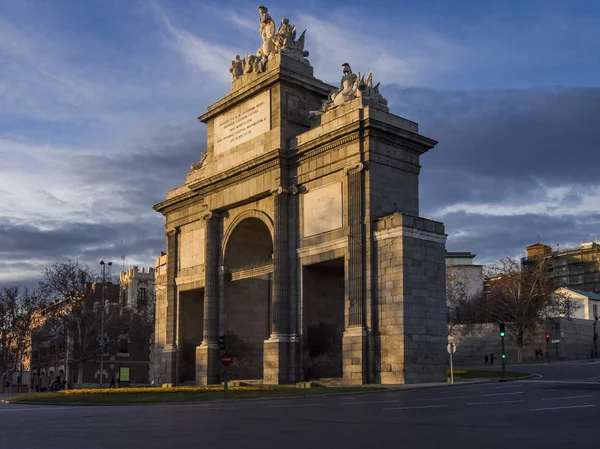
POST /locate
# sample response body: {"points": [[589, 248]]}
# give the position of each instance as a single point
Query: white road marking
{"points": [[413, 408], [560, 382], [207, 409], [505, 394], [560, 408], [443, 399], [568, 397], [371, 402], [292, 406], [493, 403]]}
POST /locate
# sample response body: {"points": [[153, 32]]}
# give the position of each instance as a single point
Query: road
{"points": [[557, 410]]}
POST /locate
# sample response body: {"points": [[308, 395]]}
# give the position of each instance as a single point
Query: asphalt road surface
{"points": [[559, 409]]}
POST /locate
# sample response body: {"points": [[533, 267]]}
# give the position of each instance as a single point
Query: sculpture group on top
{"points": [[352, 86], [273, 42]]}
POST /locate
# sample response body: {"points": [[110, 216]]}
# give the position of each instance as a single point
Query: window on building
{"points": [[124, 345], [142, 299], [595, 310]]}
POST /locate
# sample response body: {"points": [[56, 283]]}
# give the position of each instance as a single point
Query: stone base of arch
{"points": [[208, 364], [280, 361]]}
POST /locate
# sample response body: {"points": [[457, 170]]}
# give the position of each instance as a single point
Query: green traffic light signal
{"points": [[502, 334], [503, 356], [502, 330]]}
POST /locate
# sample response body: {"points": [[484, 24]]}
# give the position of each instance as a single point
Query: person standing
{"points": [[486, 360], [492, 359]]}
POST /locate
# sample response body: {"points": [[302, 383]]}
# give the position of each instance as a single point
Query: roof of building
{"points": [[459, 255], [590, 295]]}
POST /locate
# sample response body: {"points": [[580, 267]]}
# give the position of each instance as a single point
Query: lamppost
{"points": [[102, 321]]}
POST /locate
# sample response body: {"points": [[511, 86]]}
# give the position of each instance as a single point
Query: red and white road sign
{"points": [[226, 359]]}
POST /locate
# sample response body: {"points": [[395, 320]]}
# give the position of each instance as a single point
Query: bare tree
{"points": [[75, 321], [16, 313], [523, 298], [64, 278]]}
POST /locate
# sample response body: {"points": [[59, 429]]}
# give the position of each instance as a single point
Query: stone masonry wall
{"points": [[412, 306], [474, 342]]}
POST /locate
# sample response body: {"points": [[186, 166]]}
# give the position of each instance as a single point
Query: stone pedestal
{"points": [[169, 362], [280, 360], [354, 347], [208, 365]]}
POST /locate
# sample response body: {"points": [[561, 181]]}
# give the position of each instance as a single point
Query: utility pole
{"points": [[102, 320]]}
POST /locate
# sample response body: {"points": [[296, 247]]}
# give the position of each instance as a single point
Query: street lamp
{"points": [[102, 320]]}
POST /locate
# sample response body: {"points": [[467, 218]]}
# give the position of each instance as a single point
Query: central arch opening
{"points": [[247, 296]]}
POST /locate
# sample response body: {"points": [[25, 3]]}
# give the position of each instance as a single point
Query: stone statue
{"points": [[198, 165], [249, 63], [286, 34], [267, 32], [352, 86], [282, 41], [348, 87], [236, 68], [367, 91]]}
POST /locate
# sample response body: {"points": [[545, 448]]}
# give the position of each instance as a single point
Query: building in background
{"points": [[577, 268], [66, 337], [137, 286], [588, 302], [460, 266]]}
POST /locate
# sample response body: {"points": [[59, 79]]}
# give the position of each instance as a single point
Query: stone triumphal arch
{"points": [[297, 234]]}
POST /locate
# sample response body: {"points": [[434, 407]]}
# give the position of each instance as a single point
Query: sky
{"points": [[99, 99]]}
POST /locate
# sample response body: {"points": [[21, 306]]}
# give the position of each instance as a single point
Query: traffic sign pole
{"points": [[451, 370], [226, 360], [451, 350]]}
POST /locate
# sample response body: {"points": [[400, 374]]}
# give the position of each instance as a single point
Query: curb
{"points": [[372, 390]]}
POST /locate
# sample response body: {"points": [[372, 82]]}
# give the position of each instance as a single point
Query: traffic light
{"points": [[222, 342], [502, 330], [547, 338], [503, 355]]}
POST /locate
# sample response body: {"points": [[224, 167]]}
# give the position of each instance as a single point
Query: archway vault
{"points": [[251, 233]]}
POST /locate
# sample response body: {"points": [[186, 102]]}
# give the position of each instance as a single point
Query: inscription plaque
{"points": [[322, 209], [242, 123]]}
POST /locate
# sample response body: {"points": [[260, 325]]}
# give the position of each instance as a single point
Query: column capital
{"points": [[354, 168], [210, 214], [171, 232]]}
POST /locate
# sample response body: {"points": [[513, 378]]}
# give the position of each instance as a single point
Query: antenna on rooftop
{"points": [[123, 255]]}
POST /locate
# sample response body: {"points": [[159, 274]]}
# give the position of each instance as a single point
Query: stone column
{"points": [[207, 354], [279, 349], [169, 351], [354, 339]]}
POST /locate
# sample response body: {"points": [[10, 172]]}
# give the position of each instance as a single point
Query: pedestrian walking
{"points": [[537, 354], [486, 360], [112, 383], [491, 359]]}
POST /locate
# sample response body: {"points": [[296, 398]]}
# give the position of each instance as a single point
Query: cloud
{"points": [[205, 56], [413, 59]]}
